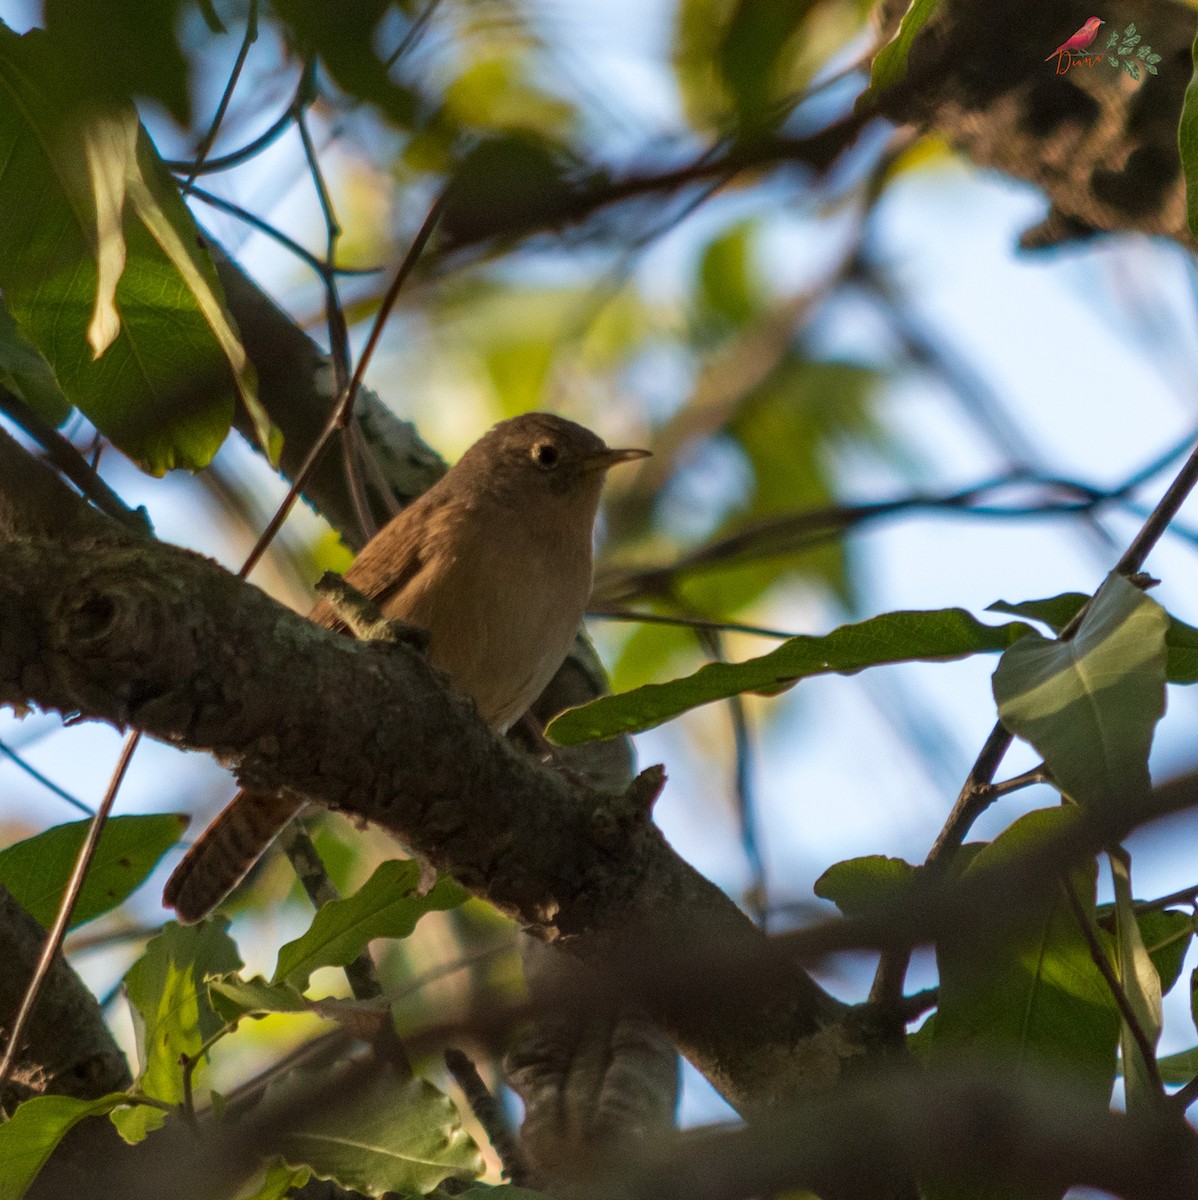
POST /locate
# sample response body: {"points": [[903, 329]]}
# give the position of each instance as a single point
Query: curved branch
{"points": [[167, 641]]}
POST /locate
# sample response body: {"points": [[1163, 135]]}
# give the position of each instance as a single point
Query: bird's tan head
{"points": [[540, 454]]}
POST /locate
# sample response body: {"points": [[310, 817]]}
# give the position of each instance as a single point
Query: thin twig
{"points": [[265, 227], [343, 409], [490, 1115], [65, 907], [743, 787], [1184, 896], [1017, 783], [414, 31], [63, 455], [206, 143], [627, 614], [38, 777], [1098, 954]]}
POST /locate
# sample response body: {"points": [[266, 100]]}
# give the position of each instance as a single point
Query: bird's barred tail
{"points": [[223, 856]]}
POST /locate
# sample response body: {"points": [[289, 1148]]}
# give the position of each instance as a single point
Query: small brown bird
{"points": [[494, 562]]}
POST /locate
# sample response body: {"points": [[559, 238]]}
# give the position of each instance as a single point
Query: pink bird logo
{"points": [[1080, 40]]}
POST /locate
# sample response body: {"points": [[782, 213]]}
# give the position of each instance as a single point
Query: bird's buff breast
{"points": [[501, 618]]}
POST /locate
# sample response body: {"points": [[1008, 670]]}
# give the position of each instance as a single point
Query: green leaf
{"points": [[34, 1131], [505, 185], [1181, 641], [1187, 141], [1141, 986], [233, 997], [36, 870], [277, 1182], [24, 371], [1031, 994], [345, 37], [1180, 1067], [104, 271], [167, 991], [384, 906], [861, 885], [401, 1136], [936, 636], [141, 55], [757, 42], [726, 283], [1090, 705], [890, 63], [1167, 935]]}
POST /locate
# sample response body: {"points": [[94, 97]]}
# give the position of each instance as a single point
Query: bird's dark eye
{"points": [[545, 454]]}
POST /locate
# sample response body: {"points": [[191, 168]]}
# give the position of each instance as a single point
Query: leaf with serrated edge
{"points": [[277, 1182], [384, 906], [169, 999], [1090, 705]]}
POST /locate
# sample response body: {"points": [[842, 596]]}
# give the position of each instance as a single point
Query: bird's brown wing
{"points": [[389, 561]]}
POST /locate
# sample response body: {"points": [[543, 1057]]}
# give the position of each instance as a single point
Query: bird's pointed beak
{"points": [[604, 460]]}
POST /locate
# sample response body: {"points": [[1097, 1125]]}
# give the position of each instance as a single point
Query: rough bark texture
{"points": [[67, 1049], [149, 635]]}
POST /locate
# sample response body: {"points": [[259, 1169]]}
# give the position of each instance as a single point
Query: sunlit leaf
{"points": [[104, 272], [169, 997], [36, 870], [233, 997], [1090, 705], [1181, 640], [277, 1182], [939, 635], [860, 885], [1141, 986], [1165, 933]]}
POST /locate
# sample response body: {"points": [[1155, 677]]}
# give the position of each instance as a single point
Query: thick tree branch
{"points": [[162, 639], [67, 1049]]}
